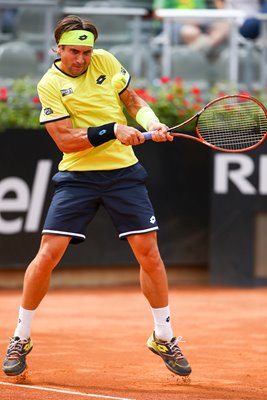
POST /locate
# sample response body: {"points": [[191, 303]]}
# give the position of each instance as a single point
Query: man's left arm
{"points": [[139, 110]]}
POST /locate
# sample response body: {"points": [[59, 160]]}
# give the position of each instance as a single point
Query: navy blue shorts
{"points": [[78, 195]]}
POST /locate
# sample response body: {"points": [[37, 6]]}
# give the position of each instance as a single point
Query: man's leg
{"points": [[36, 284], [153, 276], [38, 274], [154, 284]]}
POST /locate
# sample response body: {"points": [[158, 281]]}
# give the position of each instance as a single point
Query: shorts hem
{"points": [[137, 232], [77, 236]]}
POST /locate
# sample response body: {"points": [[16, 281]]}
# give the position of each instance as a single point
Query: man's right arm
{"points": [[67, 138]]}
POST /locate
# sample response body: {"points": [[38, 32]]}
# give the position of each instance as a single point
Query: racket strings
{"points": [[233, 124]]}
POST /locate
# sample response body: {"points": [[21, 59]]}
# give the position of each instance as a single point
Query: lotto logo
{"points": [[162, 348]]}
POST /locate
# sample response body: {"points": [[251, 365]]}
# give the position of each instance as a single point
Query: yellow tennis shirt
{"points": [[88, 100]]}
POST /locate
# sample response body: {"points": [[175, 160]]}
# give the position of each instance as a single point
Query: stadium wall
{"points": [[211, 208]]}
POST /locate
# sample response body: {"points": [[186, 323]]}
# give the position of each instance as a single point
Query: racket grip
{"points": [[148, 135]]}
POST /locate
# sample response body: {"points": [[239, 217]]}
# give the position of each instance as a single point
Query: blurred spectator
{"points": [[182, 33], [249, 25], [217, 33]]}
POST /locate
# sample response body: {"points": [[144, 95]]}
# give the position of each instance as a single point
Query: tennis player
{"points": [[83, 113]]}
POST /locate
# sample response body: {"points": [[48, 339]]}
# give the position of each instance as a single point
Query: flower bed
{"points": [[172, 101], [19, 106]]}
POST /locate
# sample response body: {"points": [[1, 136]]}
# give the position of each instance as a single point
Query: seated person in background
{"points": [[217, 33], [213, 37], [182, 33], [251, 25]]}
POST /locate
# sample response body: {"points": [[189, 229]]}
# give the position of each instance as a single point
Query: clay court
{"points": [[90, 343]]}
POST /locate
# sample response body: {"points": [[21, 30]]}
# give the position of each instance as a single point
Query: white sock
{"points": [[23, 329], [162, 323]]}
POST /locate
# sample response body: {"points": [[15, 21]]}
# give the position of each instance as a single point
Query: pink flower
{"points": [[36, 100], [3, 94], [144, 94], [152, 99], [170, 97], [221, 93], [244, 93], [195, 90], [140, 92], [164, 80]]}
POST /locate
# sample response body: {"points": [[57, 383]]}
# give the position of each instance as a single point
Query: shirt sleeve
{"points": [[52, 107]]}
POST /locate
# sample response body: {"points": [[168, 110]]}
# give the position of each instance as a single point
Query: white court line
{"points": [[98, 396]]}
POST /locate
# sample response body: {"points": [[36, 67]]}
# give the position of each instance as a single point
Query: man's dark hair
{"points": [[73, 23]]}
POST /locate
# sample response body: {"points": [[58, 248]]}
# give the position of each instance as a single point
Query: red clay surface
{"points": [[92, 342]]}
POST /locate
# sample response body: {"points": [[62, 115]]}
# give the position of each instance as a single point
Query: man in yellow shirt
{"points": [[83, 113]]}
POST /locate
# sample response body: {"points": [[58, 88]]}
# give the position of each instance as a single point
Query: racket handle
{"points": [[148, 135]]}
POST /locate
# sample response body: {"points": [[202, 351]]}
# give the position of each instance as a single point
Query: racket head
{"points": [[232, 123]]}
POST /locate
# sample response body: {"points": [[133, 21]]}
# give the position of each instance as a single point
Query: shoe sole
{"points": [[19, 371], [15, 373]]}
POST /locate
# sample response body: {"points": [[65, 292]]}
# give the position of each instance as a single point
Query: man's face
{"points": [[75, 59]]}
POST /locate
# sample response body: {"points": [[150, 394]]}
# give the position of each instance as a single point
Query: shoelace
{"points": [[15, 348], [177, 353]]}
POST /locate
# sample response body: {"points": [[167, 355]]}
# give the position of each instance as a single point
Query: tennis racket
{"points": [[232, 123]]}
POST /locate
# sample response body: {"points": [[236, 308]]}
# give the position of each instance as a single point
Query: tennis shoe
{"points": [[171, 354], [15, 360]]}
